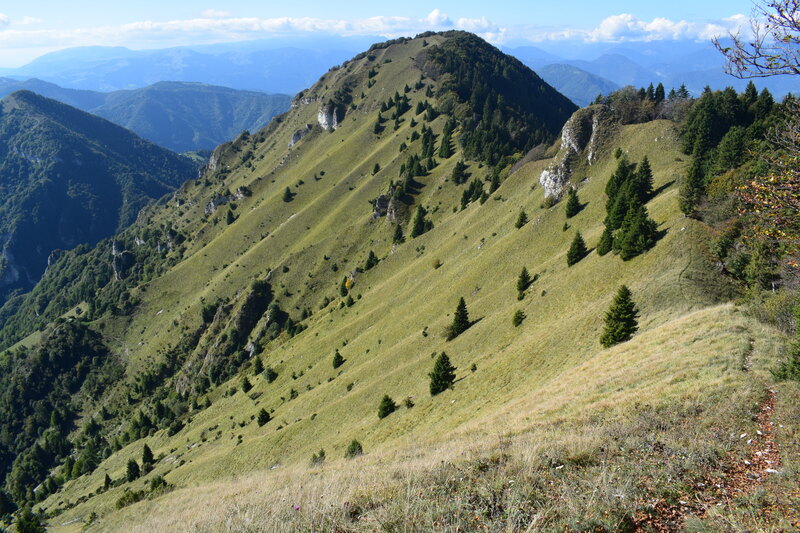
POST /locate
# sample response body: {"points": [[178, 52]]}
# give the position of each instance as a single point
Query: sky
{"points": [[30, 29]]}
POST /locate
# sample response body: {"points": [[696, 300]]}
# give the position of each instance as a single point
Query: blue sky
{"points": [[29, 29]]}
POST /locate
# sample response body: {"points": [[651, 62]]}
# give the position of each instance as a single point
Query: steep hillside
{"points": [[268, 308], [68, 177], [180, 116], [578, 85]]}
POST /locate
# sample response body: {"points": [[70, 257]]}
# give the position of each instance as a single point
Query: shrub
{"points": [[353, 450], [518, 317], [386, 407], [263, 417], [338, 360]]}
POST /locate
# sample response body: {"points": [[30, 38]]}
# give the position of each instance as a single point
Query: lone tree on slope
{"points": [[620, 320], [443, 375], [460, 321]]}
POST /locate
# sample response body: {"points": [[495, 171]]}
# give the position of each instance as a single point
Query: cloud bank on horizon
{"points": [[214, 26]]}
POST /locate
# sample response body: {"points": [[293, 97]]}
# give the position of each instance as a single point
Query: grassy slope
{"points": [[537, 380]]}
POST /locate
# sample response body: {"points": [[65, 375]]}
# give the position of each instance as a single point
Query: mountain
{"points": [[180, 116], [578, 85], [285, 69], [68, 178], [255, 352]]}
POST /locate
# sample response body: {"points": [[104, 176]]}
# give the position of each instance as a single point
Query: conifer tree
{"points": [[573, 206], [638, 233], [620, 320], [386, 407], [523, 282], [245, 384], [577, 250], [643, 181], [418, 225], [147, 456], [522, 219], [692, 188], [258, 366], [659, 93], [371, 261], [354, 449], [132, 470], [229, 217], [376, 168], [398, 237], [107, 482], [518, 317], [459, 173], [605, 243], [443, 375], [338, 360], [460, 321], [263, 417], [287, 195]]}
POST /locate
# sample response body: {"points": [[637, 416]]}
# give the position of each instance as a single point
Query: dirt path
{"points": [[738, 477]]}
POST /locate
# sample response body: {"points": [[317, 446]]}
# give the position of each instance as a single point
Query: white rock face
{"points": [[327, 117], [581, 134], [299, 134]]}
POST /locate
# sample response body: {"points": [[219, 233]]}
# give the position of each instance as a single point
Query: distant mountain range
{"points": [[180, 116], [68, 177]]}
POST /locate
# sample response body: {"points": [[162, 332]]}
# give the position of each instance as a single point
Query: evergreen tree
{"points": [[258, 366], [287, 195], [398, 237], [494, 183], [246, 385], [692, 188], [522, 219], [643, 181], [418, 225], [28, 522], [638, 233], [376, 168], [354, 449], [518, 317], [573, 203], [659, 94], [460, 321], [443, 375], [371, 261], [789, 369], [132, 470], [577, 250], [263, 417], [147, 456], [386, 407], [229, 217], [338, 360], [620, 320], [459, 175], [343, 287], [523, 282], [605, 243], [270, 374], [107, 482]]}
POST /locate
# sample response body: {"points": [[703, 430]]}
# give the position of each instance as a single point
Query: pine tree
{"points": [[577, 250], [459, 175], [518, 317], [692, 188], [460, 321], [245, 384], [376, 168], [605, 243], [643, 181], [443, 375], [354, 449], [287, 195], [522, 219], [573, 206], [398, 237], [638, 233], [338, 360], [371, 261], [107, 482], [229, 217], [418, 225], [258, 366], [132, 470], [659, 93], [270, 374], [620, 320], [263, 417], [28, 522], [523, 282], [147, 456], [386, 407]]}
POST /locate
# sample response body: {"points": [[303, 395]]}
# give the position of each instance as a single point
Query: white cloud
{"points": [[4, 20], [215, 13], [627, 27], [26, 21], [437, 18]]}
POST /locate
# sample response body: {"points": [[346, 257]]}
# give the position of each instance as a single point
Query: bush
{"points": [[270, 374], [386, 407], [353, 450], [263, 417], [318, 458], [518, 317], [338, 360]]}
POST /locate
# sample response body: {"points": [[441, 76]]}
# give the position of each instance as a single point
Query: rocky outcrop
{"points": [[215, 203], [330, 116], [121, 260], [581, 137], [299, 134], [386, 205]]}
